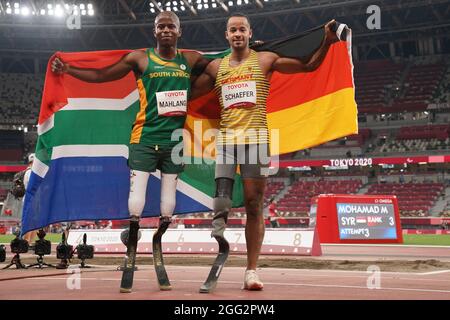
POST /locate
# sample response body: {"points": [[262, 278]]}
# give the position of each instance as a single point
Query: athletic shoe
{"points": [[251, 281]]}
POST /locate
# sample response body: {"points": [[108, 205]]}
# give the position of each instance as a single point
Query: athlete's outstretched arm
{"points": [[115, 71], [205, 81], [290, 65]]}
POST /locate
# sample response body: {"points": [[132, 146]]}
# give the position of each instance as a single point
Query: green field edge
{"points": [[408, 239]]}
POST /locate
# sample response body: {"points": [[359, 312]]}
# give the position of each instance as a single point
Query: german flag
{"points": [[304, 110]]}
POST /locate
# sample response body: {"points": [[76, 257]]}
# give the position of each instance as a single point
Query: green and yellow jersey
{"points": [[164, 89]]}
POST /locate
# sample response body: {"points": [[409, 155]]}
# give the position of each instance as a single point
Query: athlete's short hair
{"points": [[171, 14], [239, 14]]}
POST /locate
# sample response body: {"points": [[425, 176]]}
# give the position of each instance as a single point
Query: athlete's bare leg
{"points": [[254, 228]]}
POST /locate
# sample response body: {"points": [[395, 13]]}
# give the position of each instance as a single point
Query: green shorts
{"points": [[148, 158]]}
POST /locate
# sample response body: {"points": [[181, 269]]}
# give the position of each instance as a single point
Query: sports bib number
{"points": [[239, 95], [172, 103]]}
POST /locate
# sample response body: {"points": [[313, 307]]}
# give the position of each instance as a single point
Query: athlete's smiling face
{"points": [[167, 29], [238, 32]]}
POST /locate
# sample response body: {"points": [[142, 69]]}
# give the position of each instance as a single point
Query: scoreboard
{"points": [[366, 221], [356, 218]]}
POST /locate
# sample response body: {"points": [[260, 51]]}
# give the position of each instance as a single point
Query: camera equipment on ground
{"points": [[2, 253], [42, 247], [64, 251], [18, 246], [85, 251]]}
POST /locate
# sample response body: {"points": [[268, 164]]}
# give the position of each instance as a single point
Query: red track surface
{"points": [[280, 284]]}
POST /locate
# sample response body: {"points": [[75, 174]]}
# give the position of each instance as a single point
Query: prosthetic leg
{"points": [[161, 274], [168, 198], [130, 259], [222, 206], [136, 203]]}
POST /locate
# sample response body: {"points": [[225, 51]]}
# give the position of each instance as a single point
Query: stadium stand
{"points": [[419, 138], [424, 132], [20, 96], [3, 194], [297, 201], [384, 86], [272, 190], [414, 199], [374, 79], [11, 145], [420, 84], [442, 93], [415, 145]]}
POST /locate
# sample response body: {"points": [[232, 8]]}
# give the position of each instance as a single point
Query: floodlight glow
{"points": [[200, 6], [199, 1], [174, 3], [59, 12], [152, 10], [50, 12], [246, 1], [8, 10], [159, 4], [205, 1], [175, 9], [49, 6], [214, 5], [16, 5], [151, 4], [239, 2], [183, 8], [76, 12], [206, 6], [66, 6], [90, 12], [168, 9], [230, 3], [25, 11], [89, 6], [83, 12], [82, 6], [42, 12], [16, 11]]}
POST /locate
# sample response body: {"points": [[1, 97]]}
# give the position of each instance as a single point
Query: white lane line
{"points": [[435, 272], [320, 276], [360, 271], [331, 286], [276, 284], [381, 245], [305, 272], [194, 269], [343, 271], [422, 279]]}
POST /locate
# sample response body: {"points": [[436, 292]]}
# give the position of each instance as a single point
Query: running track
{"points": [[280, 284]]}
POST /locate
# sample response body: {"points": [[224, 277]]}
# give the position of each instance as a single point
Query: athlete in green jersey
{"points": [[163, 76], [163, 89]]}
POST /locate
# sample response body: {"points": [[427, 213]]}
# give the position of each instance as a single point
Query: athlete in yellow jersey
{"points": [[241, 82]]}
